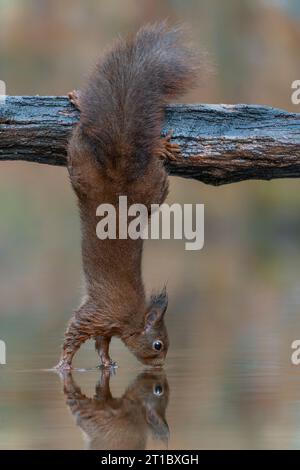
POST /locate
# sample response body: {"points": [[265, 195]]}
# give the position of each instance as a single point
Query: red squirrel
{"points": [[111, 423], [116, 149]]}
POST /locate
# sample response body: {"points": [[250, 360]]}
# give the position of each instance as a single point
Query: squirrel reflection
{"points": [[121, 423]]}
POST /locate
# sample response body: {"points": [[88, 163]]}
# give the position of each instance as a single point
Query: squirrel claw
{"points": [[108, 365], [74, 97], [63, 366], [168, 150]]}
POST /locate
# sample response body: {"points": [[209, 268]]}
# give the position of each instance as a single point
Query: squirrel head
{"points": [[150, 392], [150, 344]]}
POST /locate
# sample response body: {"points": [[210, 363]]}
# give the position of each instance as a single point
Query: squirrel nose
{"points": [[157, 362]]}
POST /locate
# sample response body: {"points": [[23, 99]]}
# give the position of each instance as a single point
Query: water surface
{"points": [[234, 392]]}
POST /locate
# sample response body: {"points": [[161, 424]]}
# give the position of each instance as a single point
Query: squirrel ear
{"points": [[158, 425], [157, 308]]}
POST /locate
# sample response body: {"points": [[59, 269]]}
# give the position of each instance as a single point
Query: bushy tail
{"points": [[123, 102]]}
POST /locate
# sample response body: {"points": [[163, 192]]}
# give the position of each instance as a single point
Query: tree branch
{"points": [[219, 143]]}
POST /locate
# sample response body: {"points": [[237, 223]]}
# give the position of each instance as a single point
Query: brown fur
{"points": [[121, 423], [114, 151]]}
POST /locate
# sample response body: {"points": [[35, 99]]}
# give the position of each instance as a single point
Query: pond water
{"points": [[236, 392]]}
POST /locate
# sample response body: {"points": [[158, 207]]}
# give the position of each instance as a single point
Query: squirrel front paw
{"points": [[63, 365], [107, 364]]}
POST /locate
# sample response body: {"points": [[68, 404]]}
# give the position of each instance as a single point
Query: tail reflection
{"points": [[121, 423]]}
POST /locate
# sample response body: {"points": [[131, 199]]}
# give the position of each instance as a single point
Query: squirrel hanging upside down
{"points": [[116, 149]]}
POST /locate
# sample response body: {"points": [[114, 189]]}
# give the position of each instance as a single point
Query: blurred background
{"points": [[234, 306]]}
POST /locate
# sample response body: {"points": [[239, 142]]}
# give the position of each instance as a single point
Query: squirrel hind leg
{"points": [[167, 150]]}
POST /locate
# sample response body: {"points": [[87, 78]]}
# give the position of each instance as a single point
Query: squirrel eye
{"points": [[157, 345], [158, 390]]}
